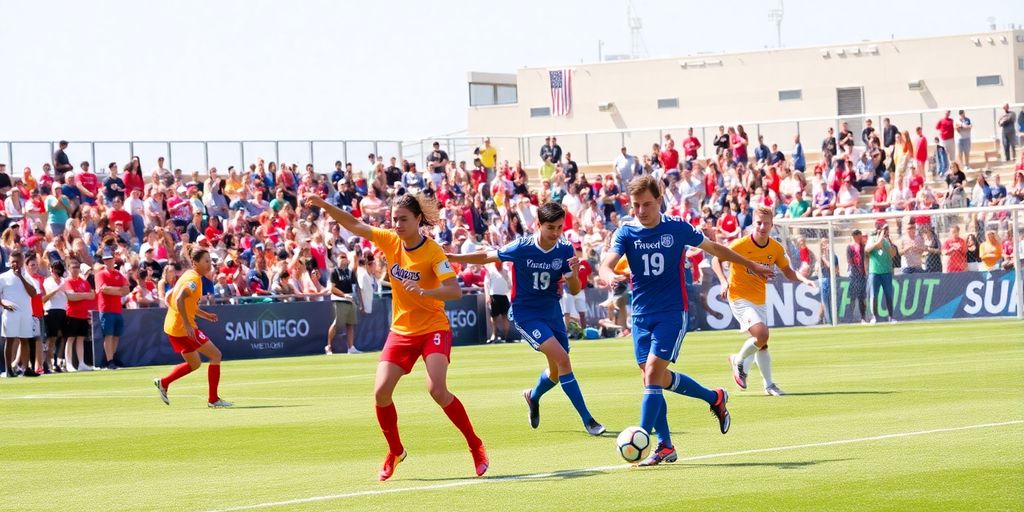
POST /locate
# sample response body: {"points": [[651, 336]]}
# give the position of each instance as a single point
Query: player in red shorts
{"points": [[423, 279], [185, 336]]}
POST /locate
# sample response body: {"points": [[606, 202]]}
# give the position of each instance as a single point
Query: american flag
{"points": [[561, 92]]}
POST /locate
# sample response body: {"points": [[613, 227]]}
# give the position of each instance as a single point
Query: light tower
{"points": [[638, 47], [776, 16]]}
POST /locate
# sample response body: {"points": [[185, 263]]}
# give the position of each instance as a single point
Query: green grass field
{"points": [[925, 416]]}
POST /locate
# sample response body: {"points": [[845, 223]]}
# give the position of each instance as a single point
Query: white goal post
{"points": [[1005, 220]]}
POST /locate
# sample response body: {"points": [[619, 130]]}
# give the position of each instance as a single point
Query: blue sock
{"points": [[650, 407], [544, 384], [684, 385], [661, 427], [572, 390]]}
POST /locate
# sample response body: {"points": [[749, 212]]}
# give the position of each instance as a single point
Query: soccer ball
{"points": [[633, 444]]}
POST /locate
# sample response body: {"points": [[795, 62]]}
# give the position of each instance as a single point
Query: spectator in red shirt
{"points": [[88, 184], [112, 286], [690, 145], [921, 152], [955, 250], [80, 299], [669, 156], [945, 128]]}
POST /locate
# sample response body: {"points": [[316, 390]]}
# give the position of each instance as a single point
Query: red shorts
{"points": [[403, 350], [183, 344]]}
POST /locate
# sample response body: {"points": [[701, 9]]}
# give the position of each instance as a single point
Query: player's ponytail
{"points": [[421, 206]]}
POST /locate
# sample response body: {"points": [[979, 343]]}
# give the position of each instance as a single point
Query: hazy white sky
{"points": [[188, 70]]}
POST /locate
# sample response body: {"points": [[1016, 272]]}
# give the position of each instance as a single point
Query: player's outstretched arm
{"points": [[347, 221], [797, 278], [475, 258], [724, 253]]}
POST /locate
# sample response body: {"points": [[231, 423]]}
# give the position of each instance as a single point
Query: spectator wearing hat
{"points": [[111, 286], [16, 294]]}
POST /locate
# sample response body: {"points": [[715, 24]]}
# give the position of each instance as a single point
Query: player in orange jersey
{"points": [[422, 280], [184, 334], [747, 298]]}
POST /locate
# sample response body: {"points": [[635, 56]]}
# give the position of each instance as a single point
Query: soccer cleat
{"points": [[163, 391], [774, 390], [389, 465], [594, 428], [721, 412], [353, 350], [219, 404], [737, 372], [534, 409], [893, 321], [480, 462], [661, 454]]}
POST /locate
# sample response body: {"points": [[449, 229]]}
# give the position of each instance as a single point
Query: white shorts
{"points": [[748, 314], [573, 305], [17, 324]]}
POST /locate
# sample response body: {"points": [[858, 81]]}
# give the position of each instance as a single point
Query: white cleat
{"points": [[353, 350], [163, 391], [219, 404], [774, 390], [893, 321]]}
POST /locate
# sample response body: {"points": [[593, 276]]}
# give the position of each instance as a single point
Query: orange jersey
{"points": [[428, 266], [743, 284], [174, 322]]}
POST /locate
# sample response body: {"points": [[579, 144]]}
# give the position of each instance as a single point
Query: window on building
{"points": [[540, 112], [1020, 63], [791, 95], [668, 103], [492, 94], [987, 80]]}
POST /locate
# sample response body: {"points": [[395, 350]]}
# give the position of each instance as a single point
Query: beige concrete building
{"points": [[765, 90]]}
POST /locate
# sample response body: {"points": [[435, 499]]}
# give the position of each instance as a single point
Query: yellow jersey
{"points": [[488, 156], [174, 322], [428, 266], [743, 284]]}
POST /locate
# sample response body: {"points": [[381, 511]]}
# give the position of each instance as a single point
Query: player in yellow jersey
{"points": [[422, 279], [185, 336], [746, 294]]}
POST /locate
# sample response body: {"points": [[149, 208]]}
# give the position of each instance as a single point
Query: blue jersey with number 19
{"points": [[656, 259], [536, 274]]}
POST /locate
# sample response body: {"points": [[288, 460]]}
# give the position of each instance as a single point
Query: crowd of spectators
{"points": [[72, 224]]}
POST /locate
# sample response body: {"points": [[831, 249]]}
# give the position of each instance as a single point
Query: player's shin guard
{"points": [[651, 406], [544, 384], [572, 390], [387, 418], [457, 413], [178, 372], [684, 385], [213, 376]]}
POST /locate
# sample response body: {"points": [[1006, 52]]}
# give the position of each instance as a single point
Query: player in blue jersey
{"points": [[539, 263], [655, 246]]}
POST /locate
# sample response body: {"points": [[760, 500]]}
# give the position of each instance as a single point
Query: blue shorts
{"points": [[112, 324], [537, 329], [660, 334]]}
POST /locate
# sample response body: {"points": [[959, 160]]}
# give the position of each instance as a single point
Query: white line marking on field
{"points": [[501, 479]]}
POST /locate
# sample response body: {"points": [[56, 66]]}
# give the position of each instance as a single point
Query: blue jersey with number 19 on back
{"points": [[656, 258]]}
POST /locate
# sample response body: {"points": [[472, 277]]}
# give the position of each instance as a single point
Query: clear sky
{"points": [[297, 69]]}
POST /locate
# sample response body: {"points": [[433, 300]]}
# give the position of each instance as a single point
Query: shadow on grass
{"points": [[265, 406], [828, 393], [567, 474], [777, 465]]}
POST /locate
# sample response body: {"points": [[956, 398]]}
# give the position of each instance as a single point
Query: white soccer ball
{"points": [[633, 444]]}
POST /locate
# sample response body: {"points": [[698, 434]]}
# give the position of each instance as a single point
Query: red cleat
{"points": [[389, 464], [480, 461]]}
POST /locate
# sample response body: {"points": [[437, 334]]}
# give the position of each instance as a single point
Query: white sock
{"points": [[764, 362], [748, 350], [748, 363]]}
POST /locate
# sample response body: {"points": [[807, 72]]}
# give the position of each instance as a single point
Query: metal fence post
{"points": [[277, 151], [51, 158], [586, 147], [10, 155], [92, 154], [169, 160], [344, 151], [833, 275], [311, 152], [241, 154], [376, 151], [703, 140], [206, 155], [131, 150], [1018, 284]]}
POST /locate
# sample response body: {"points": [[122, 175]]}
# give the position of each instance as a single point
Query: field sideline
{"points": [[913, 416]]}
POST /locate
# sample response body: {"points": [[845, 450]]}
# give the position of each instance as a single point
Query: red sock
{"points": [[387, 417], [457, 413], [178, 372], [213, 375]]}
